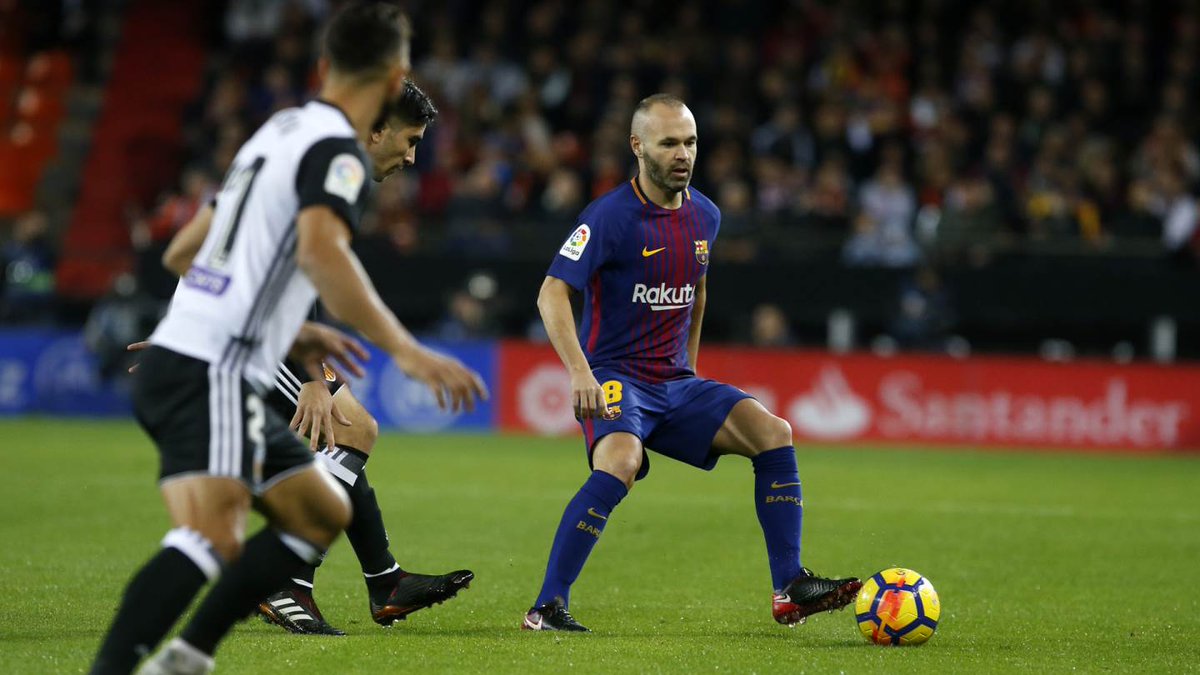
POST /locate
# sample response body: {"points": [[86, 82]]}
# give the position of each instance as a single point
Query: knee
{"points": [[624, 466], [627, 472], [779, 433], [774, 432], [337, 515], [370, 432], [325, 523], [227, 545], [362, 433], [229, 550]]}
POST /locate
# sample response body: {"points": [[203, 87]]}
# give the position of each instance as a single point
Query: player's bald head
{"points": [[654, 108]]}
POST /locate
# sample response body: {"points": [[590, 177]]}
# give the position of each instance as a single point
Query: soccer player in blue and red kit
{"points": [[639, 255]]}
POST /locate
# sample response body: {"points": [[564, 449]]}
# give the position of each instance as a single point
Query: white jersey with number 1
{"points": [[242, 302]]}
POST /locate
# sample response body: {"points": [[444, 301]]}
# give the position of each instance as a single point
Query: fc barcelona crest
{"points": [[702, 251]]}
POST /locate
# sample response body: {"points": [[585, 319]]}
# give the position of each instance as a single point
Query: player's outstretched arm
{"points": [[324, 255], [554, 304], [693, 343], [187, 242]]}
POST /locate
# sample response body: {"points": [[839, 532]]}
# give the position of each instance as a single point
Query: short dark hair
{"points": [[366, 36], [414, 107]]}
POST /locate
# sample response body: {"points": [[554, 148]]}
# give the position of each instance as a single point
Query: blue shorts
{"points": [[676, 418]]}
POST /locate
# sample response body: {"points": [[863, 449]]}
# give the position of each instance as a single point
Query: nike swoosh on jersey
{"points": [[646, 253], [592, 512], [775, 485]]}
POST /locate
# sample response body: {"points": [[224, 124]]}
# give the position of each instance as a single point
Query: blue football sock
{"points": [[780, 509], [580, 528]]}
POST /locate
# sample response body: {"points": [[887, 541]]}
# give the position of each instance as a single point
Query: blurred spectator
{"points": [[468, 312], [769, 327], [883, 228], [825, 205], [28, 261], [1177, 208], [150, 235], [785, 137], [970, 229], [124, 316], [923, 315]]}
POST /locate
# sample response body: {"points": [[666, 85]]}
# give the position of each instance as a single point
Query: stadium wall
{"points": [[857, 398]]}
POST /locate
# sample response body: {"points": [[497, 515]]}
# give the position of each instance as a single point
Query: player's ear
{"points": [[635, 144], [322, 68]]}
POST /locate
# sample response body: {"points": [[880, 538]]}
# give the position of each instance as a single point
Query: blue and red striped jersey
{"points": [[637, 265]]}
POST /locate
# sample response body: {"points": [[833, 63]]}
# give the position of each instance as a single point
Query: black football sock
{"points": [[305, 575], [366, 532], [269, 559], [155, 598]]}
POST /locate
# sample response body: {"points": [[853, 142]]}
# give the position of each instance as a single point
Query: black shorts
{"points": [[206, 421], [288, 378]]}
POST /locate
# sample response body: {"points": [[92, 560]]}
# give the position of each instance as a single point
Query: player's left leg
{"points": [[750, 430], [393, 593]]}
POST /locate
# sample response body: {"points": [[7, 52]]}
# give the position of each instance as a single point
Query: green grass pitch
{"points": [[1044, 562]]}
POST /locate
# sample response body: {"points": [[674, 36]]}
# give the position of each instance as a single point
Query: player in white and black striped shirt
{"points": [[326, 409], [279, 238]]}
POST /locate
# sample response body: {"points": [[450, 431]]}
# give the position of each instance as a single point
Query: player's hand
{"points": [[456, 386], [316, 344], [316, 412], [587, 396], [136, 347]]}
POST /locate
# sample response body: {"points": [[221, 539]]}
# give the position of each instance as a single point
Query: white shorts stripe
{"points": [[214, 421], [237, 404], [226, 422]]}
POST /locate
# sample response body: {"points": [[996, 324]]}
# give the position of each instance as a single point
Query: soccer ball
{"points": [[897, 607]]}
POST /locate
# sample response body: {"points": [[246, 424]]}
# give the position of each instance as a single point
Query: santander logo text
{"points": [[663, 297], [1110, 417], [906, 406]]}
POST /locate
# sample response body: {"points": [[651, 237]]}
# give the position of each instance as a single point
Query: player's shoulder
{"points": [[610, 208], [702, 202], [299, 128]]}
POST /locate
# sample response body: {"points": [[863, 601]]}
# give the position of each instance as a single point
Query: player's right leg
{"points": [[294, 607], [205, 497], [617, 458]]}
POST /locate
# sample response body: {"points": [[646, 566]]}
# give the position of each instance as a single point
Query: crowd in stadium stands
{"points": [[893, 132], [898, 131]]}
